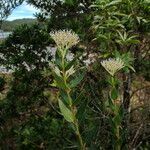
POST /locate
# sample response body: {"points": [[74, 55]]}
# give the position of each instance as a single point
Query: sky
{"points": [[22, 11]]}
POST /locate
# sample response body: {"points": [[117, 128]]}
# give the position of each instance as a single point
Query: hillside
{"points": [[10, 25]]}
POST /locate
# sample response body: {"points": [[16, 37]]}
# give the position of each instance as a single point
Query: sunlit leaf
{"points": [[68, 115]]}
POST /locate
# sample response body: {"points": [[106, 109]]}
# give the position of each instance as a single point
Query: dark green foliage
{"points": [[73, 14], [27, 48], [6, 6], [143, 69], [35, 129], [25, 51], [42, 132], [2, 83]]}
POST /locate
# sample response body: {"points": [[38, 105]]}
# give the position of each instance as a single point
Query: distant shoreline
{"points": [[4, 35], [8, 26]]}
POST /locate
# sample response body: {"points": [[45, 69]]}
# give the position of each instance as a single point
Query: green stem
{"points": [[117, 145], [68, 90], [82, 147]]}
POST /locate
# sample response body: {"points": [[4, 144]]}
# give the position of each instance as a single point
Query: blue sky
{"points": [[23, 11]]}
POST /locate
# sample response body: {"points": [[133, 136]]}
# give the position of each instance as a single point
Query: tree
{"points": [[25, 52], [71, 14], [6, 7], [123, 26]]}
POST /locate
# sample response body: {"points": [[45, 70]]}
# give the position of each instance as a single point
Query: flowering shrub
{"points": [[66, 78]]}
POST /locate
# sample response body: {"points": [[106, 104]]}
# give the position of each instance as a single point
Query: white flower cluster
{"points": [[65, 38], [112, 65]]}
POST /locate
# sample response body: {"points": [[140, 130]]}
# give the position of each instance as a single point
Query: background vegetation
{"points": [[9, 26]]}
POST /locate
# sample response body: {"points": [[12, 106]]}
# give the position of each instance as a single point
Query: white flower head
{"points": [[65, 38], [112, 65]]}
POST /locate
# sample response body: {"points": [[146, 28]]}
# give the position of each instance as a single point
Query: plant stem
{"points": [[115, 108], [82, 147], [68, 90], [118, 146]]}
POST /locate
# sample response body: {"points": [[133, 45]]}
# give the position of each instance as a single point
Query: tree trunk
{"points": [[126, 105], [126, 91]]}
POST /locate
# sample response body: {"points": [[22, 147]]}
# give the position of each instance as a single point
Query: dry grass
{"points": [[8, 78]]}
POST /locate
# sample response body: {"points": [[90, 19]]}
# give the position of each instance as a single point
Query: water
{"points": [[4, 35]]}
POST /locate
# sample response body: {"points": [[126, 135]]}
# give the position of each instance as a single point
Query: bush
{"points": [[2, 83]]}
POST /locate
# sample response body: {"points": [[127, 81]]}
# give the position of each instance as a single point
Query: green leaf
{"points": [[70, 64], [64, 97], [131, 68], [114, 94], [117, 120], [68, 115], [78, 98], [113, 126], [111, 105], [77, 79], [69, 2], [59, 82], [82, 108], [114, 2], [101, 36], [58, 59]]}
